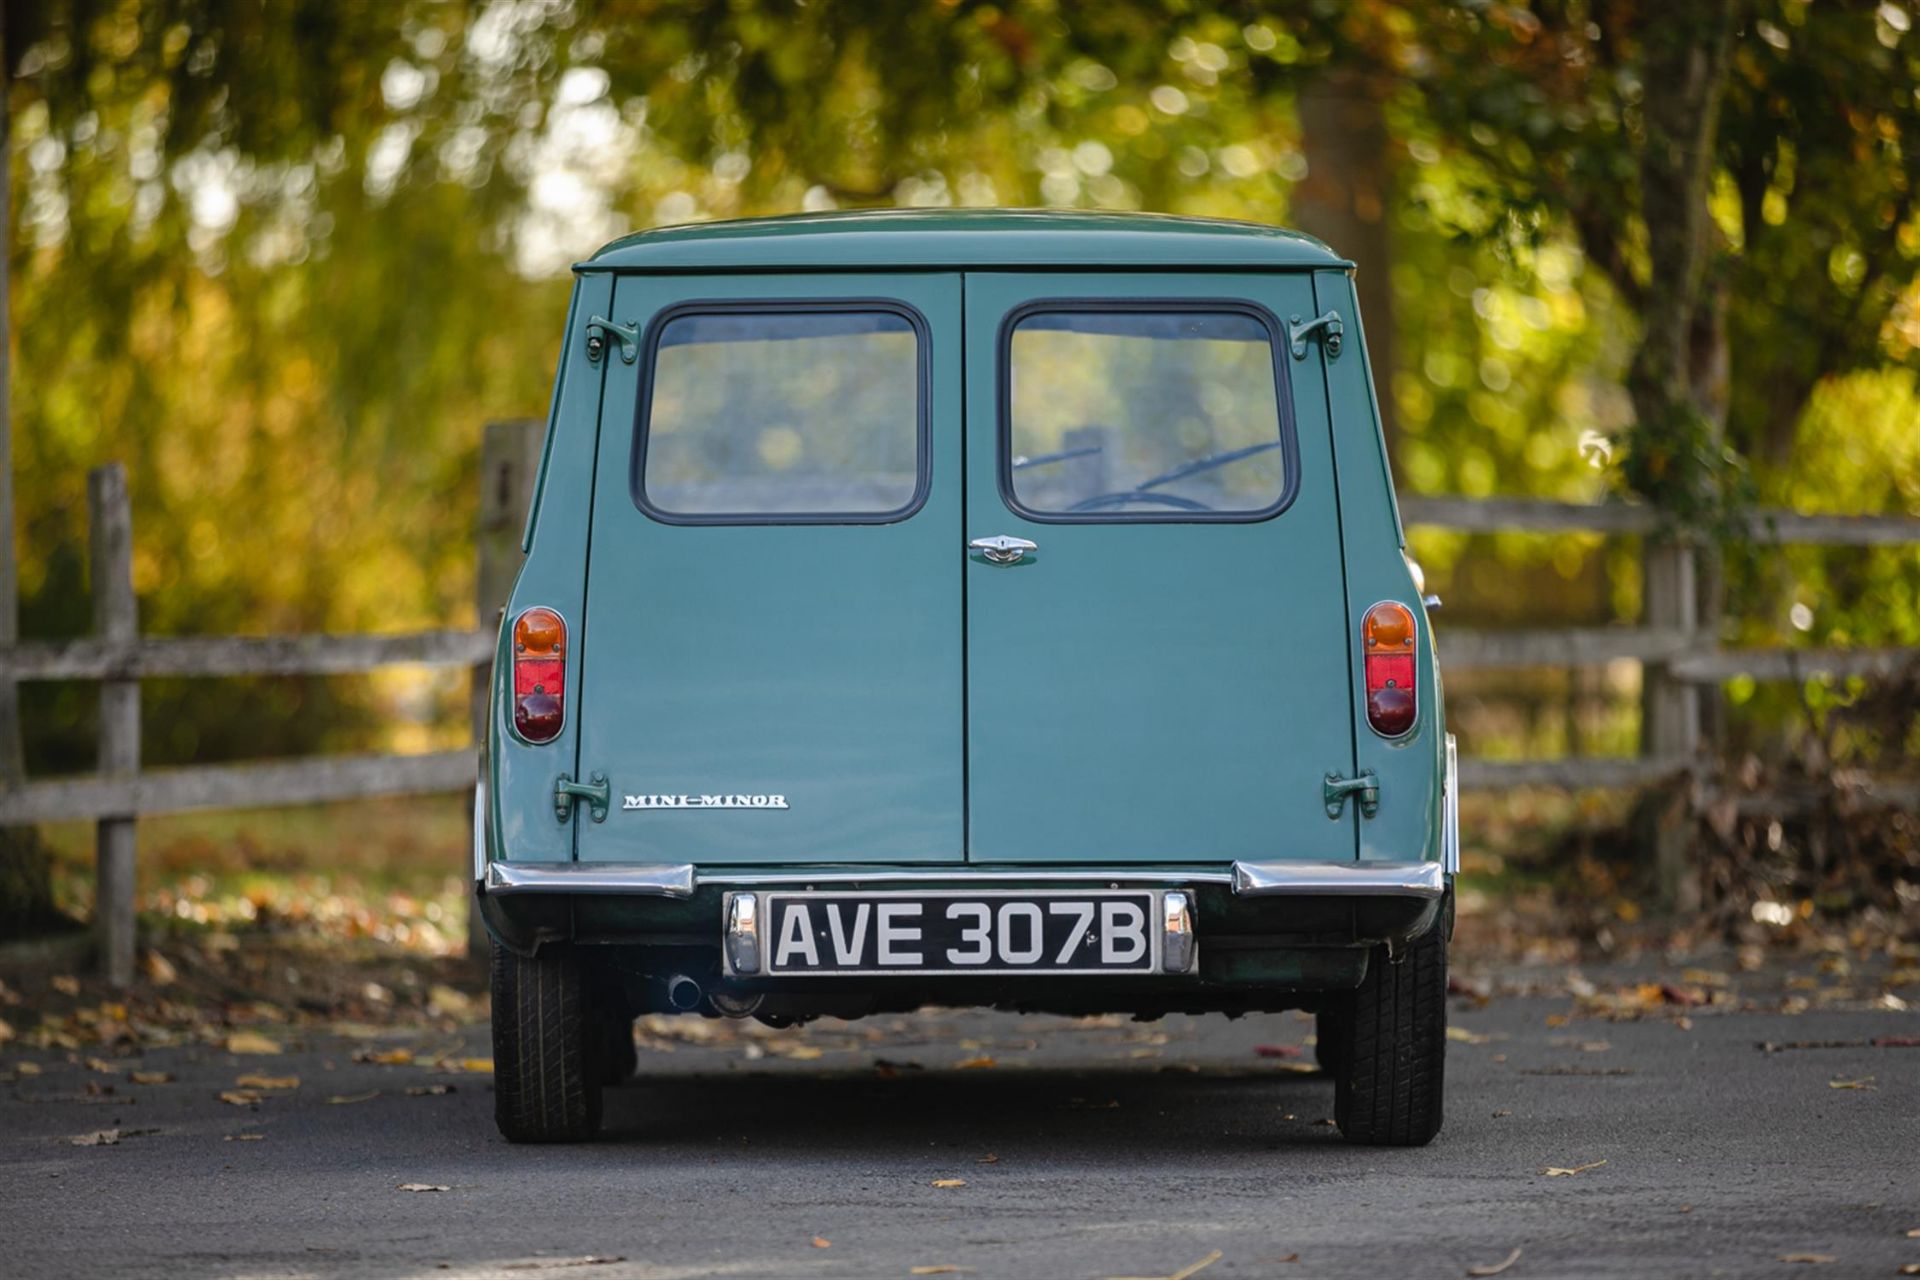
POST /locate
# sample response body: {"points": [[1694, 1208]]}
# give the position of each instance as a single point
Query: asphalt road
{"points": [[1087, 1149]]}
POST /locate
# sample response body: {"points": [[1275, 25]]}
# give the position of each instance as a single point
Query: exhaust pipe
{"points": [[683, 993], [730, 1005]]}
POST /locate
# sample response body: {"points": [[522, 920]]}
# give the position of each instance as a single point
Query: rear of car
{"points": [[1000, 609]]}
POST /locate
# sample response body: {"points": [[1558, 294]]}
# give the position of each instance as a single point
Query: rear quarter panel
{"points": [[1411, 769], [521, 823]]}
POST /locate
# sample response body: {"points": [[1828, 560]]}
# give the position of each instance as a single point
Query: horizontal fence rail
{"points": [[1536, 515], [265, 785], [313, 655]]}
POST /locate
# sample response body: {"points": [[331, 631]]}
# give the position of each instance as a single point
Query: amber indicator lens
{"points": [[1389, 628], [539, 675], [1387, 653], [540, 633]]}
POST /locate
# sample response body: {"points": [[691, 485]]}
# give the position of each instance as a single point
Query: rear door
{"points": [[1165, 676], [772, 665]]}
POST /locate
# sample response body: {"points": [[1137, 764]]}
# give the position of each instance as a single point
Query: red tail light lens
{"points": [[539, 675], [1387, 638]]}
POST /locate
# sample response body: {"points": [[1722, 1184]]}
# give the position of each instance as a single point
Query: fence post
{"points": [[1670, 711], [115, 617], [509, 459]]}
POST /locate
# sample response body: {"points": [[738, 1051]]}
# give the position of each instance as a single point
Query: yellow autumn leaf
{"points": [[241, 1097], [251, 1042], [974, 1064], [346, 1099], [268, 1082], [481, 1066], [152, 1077], [949, 1182]]}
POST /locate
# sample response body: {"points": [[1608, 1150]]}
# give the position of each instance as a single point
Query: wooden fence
{"points": [[1677, 653]]}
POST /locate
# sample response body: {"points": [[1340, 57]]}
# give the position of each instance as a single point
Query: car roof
{"points": [[979, 239]]}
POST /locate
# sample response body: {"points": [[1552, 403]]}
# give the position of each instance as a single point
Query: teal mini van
{"points": [[966, 608]]}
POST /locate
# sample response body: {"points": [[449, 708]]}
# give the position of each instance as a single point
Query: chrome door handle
{"points": [[1003, 549]]}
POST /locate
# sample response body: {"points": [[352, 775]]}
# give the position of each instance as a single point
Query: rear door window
{"points": [[770, 414], [1147, 411]]}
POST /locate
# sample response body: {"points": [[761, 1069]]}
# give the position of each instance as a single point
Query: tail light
{"points": [[1387, 642], [539, 675]]}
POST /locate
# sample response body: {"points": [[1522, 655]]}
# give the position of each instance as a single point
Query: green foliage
{"points": [[284, 258]]}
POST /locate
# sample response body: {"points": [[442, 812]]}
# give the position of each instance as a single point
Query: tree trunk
{"points": [[1678, 381], [26, 881], [1344, 200]]}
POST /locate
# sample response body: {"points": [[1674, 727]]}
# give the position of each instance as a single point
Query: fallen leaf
{"points": [[1555, 1172], [384, 1057], [1496, 1268], [446, 1002], [479, 1066], [1185, 1273], [241, 1097], [1501, 1115], [991, 1158], [423, 1186], [429, 1090], [797, 1052], [246, 1137], [821, 1242], [1914, 1234], [251, 1042], [343, 1099], [26, 1068], [160, 970], [1910, 1269], [1276, 1050], [949, 1182], [939, 1269], [974, 1064], [66, 984], [1808, 1257], [550, 1264], [104, 1067], [268, 1082], [6, 1031], [98, 1138], [1865, 1082], [1463, 1036], [152, 1077]]}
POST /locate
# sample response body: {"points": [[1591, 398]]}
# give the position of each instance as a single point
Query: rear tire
{"points": [[1391, 1051], [548, 1049]]}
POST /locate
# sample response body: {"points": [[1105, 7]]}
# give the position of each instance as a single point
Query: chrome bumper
{"points": [[1246, 879]]}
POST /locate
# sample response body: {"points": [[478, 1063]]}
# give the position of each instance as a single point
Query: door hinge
{"points": [[600, 328], [597, 792], [1327, 326], [1365, 788]]}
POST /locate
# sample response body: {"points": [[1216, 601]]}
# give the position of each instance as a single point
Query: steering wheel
{"points": [[1102, 501]]}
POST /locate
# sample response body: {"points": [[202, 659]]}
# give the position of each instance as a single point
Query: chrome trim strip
{"points": [[966, 873], [1252, 879], [660, 881], [1450, 812], [480, 829], [1339, 879]]}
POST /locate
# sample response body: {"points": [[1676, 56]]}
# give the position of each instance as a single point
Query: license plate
{"points": [[957, 931]]}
